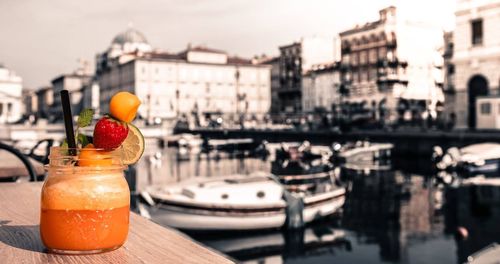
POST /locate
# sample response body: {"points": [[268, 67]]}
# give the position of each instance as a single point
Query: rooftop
{"points": [[358, 28], [320, 68]]}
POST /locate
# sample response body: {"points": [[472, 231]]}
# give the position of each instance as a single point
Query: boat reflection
{"points": [[474, 207], [398, 212], [300, 245]]}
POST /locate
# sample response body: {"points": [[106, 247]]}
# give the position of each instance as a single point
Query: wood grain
{"points": [[147, 242]]}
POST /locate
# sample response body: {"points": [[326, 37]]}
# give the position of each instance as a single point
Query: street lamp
{"points": [[237, 77], [177, 94]]}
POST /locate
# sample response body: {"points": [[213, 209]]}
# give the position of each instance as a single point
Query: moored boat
{"points": [[238, 203], [301, 151], [472, 159], [362, 152]]}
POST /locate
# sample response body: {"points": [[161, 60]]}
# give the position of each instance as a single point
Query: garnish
{"points": [[84, 120], [133, 146], [109, 133], [123, 106]]}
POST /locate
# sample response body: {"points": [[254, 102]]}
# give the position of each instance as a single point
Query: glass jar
{"points": [[84, 209]]}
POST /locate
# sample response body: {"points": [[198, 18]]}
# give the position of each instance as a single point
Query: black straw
{"points": [[68, 122]]}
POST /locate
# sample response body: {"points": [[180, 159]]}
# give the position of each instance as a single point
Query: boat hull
{"points": [[213, 220]]}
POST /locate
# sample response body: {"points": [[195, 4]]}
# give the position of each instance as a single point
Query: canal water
{"points": [[390, 215]]}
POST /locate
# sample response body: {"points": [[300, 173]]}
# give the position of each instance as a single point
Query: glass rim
{"points": [[78, 148], [61, 158], [48, 167]]}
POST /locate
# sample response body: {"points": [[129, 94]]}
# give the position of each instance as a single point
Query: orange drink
{"points": [[84, 209]]}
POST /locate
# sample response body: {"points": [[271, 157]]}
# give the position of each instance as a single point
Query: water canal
{"points": [[390, 215]]}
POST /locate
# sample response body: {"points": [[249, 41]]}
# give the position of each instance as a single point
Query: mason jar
{"points": [[84, 209]]}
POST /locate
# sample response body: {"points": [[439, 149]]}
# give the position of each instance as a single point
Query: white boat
{"points": [[363, 152], [237, 203], [475, 158], [487, 255]]}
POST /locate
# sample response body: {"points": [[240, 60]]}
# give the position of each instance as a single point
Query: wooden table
{"points": [[147, 242]]}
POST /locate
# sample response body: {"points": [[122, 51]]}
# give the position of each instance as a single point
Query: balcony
{"points": [[391, 78], [392, 44], [346, 50], [345, 66], [392, 63]]}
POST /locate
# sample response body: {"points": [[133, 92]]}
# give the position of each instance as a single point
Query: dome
{"points": [[129, 36]]}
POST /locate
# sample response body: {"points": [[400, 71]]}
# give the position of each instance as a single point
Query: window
{"points": [[477, 32], [364, 75], [363, 57], [373, 74], [354, 59], [382, 53], [485, 108], [373, 56], [451, 69]]}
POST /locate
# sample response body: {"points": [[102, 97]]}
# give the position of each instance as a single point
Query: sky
{"points": [[41, 40]]}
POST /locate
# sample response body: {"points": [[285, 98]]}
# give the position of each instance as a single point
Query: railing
{"points": [[23, 158]]}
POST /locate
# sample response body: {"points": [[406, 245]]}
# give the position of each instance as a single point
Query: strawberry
{"points": [[109, 133]]}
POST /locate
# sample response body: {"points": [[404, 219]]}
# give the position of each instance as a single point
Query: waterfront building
{"points": [[196, 81], [449, 88], [476, 57], [45, 100], [11, 86], [320, 87], [274, 62], [30, 103], [390, 64], [73, 83], [298, 58], [91, 97]]}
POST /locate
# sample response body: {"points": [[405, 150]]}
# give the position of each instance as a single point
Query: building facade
{"points": [[385, 63], [320, 88], [449, 88], [476, 57], [11, 87], [91, 98], [274, 62], [197, 81], [30, 103], [74, 84], [295, 60], [45, 99]]}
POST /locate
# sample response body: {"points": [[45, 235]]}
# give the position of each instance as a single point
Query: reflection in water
{"points": [[395, 211], [299, 245], [477, 209], [389, 215]]}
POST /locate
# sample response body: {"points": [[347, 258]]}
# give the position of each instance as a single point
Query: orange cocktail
{"points": [[84, 209]]}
